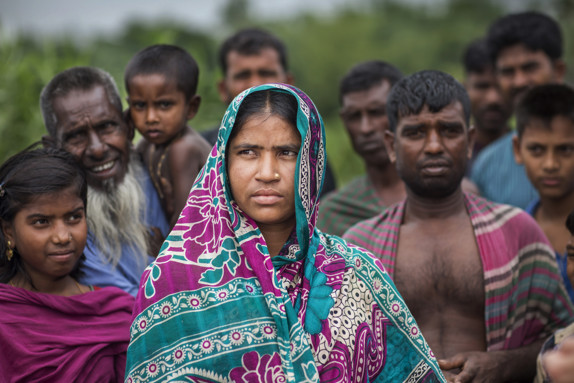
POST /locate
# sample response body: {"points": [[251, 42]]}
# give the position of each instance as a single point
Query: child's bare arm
{"points": [[142, 147], [186, 158]]}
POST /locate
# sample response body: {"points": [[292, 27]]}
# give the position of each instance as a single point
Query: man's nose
{"points": [[365, 125], [520, 79], [493, 96], [433, 142], [96, 147]]}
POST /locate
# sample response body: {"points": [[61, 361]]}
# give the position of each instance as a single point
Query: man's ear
{"points": [[390, 145], [48, 141], [516, 148], [130, 126], [471, 139], [193, 106], [559, 70], [222, 90]]}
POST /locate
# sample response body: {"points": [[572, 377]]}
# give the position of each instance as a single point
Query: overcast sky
{"points": [[86, 17]]}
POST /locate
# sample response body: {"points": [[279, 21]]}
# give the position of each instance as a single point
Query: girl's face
{"points": [[50, 234], [261, 165]]}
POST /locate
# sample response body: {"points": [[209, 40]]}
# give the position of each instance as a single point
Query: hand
{"points": [[476, 367], [559, 363], [155, 240]]}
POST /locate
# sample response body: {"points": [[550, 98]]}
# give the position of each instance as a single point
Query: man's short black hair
{"points": [[171, 61], [476, 58], [73, 79], [428, 87], [544, 102], [535, 30], [367, 74], [251, 41]]}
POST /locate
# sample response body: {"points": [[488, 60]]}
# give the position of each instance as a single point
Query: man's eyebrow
{"points": [[264, 70], [74, 130], [242, 73], [451, 124], [412, 126]]}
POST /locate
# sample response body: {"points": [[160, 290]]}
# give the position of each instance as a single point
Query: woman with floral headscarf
{"points": [[247, 289]]}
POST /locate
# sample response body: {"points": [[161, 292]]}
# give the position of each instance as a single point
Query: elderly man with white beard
{"points": [[82, 113]]}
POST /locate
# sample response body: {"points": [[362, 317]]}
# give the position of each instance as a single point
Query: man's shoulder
{"points": [[510, 225], [346, 192], [376, 227], [500, 148], [482, 211]]}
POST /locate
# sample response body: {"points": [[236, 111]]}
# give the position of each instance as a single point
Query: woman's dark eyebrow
{"points": [[40, 215], [287, 147], [246, 146]]}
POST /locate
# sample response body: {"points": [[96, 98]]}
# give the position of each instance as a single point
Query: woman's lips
{"points": [[62, 256], [266, 197]]}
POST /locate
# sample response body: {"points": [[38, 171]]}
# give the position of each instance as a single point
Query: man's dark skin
{"points": [[364, 116], [438, 267], [489, 109]]}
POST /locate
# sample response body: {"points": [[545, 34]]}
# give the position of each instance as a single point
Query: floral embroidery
{"points": [[254, 368]]}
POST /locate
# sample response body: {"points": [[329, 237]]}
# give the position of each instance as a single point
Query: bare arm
{"points": [[517, 365], [186, 158], [143, 148]]}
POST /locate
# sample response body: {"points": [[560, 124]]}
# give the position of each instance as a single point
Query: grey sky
{"points": [[103, 16]]}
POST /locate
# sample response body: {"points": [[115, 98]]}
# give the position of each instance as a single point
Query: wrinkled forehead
{"points": [[429, 115], [78, 101]]}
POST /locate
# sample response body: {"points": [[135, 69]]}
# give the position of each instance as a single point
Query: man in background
{"points": [[363, 94], [252, 57], [526, 50], [489, 111]]}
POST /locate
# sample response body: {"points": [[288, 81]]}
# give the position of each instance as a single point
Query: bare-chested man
{"points": [[480, 278]]}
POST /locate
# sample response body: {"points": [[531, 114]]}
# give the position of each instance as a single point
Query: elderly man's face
{"points": [[94, 131]]}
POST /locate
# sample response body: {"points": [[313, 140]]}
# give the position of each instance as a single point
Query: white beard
{"points": [[116, 214]]}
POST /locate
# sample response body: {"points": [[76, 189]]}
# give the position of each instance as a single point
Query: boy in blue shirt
{"points": [[545, 145]]}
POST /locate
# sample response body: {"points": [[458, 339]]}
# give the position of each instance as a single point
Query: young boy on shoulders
{"points": [[161, 82], [545, 145]]}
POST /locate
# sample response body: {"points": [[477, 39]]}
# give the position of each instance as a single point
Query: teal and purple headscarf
{"points": [[214, 306]]}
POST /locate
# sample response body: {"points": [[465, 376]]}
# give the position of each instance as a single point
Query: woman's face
{"points": [[261, 165], [50, 234]]}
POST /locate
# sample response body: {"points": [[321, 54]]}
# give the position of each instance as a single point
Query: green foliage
{"points": [[321, 49]]}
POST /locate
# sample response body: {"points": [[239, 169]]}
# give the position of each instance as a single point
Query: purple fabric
{"points": [[214, 305], [50, 338]]}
